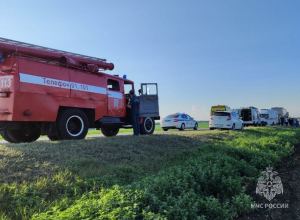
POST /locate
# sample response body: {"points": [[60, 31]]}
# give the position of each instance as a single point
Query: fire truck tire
{"points": [[6, 137], [21, 135], [109, 131], [72, 124], [147, 126], [53, 137]]}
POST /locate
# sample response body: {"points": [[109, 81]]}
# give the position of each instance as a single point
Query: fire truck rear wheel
{"points": [[72, 124], [147, 126], [23, 135], [108, 132], [6, 137]]}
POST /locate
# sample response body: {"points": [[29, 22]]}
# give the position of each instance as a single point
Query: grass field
{"points": [[157, 128], [180, 175]]}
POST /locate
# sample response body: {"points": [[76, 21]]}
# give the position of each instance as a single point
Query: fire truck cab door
{"points": [[115, 99], [149, 100]]}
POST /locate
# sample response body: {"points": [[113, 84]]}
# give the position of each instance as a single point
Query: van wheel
{"points": [[165, 129], [72, 124], [147, 126], [23, 135], [211, 128], [196, 126], [6, 137], [233, 127], [109, 131], [182, 127]]}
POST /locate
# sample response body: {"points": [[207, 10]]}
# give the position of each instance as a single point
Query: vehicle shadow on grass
{"points": [[96, 157]]}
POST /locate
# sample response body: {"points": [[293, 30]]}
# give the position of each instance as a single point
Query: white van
{"points": [[281, 112], [250, 116], [269, 116]]}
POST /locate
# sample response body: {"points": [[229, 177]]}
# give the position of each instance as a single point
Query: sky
{"points": [[201, 53]]}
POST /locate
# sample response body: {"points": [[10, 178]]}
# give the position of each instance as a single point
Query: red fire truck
{"points": [[44, 91]]}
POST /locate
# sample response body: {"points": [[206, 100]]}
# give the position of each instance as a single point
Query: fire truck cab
{"points": [[60, 94]]}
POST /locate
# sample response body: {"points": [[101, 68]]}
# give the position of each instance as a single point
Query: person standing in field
{"points": [[286, 121], [282, 120], [294, 122], [134, 105], [290, 121]]}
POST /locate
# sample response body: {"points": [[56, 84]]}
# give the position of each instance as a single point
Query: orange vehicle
{"points": [[61, 94]]}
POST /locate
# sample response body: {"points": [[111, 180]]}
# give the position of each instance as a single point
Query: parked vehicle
{"points": [[60, 94], [250, 116], [268, 116], [225, 120], [237, 111], [219, 108], [281, 112], [179, 121]]}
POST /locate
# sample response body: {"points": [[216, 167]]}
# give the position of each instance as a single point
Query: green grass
{"points": [[201, 125], [157, 128], [191, 175]]}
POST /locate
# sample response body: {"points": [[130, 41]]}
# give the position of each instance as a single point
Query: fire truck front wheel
{"points": [[147, 126], [72, 124], [109, 131]]}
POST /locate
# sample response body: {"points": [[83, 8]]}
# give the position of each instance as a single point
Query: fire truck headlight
{"points": [[4, 94]]}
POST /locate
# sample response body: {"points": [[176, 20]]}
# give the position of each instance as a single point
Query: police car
{"points": [[179, 121]]}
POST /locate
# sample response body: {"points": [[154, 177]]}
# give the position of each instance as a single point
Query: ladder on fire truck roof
{"points": [[19, 43]]}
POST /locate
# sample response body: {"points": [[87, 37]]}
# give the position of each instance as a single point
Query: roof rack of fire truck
{"points": [[19, 43]]}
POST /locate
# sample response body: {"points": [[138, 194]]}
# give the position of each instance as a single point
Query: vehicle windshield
{"points": [[173, 116], [221, 113], [264, 115]]}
